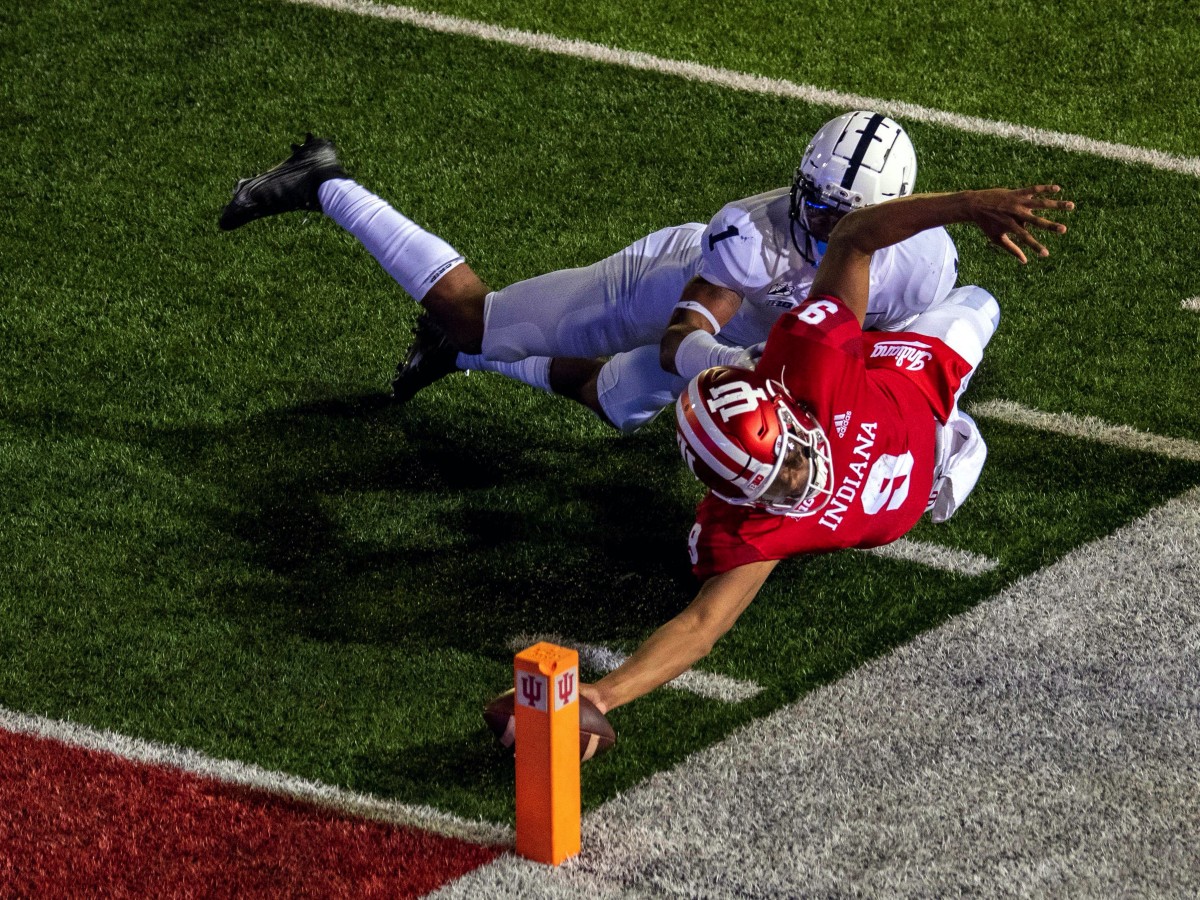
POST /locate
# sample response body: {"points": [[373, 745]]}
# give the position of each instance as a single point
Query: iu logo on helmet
{"points": [[734, 398]]}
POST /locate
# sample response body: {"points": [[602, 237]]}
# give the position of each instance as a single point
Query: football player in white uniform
{"points": [[626, 334]]}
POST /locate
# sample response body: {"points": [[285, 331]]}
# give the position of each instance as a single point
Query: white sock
{"points": [[533, 371], [415, 258]]}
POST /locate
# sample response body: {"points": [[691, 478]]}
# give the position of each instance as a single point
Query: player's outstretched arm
{"points": [[1000, 213], [684, 640]]}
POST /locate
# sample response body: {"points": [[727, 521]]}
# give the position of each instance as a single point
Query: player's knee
{"points": [[456, 301], [973, 297], [985, 316], [965, 321], [624, 416], [624, 401]]}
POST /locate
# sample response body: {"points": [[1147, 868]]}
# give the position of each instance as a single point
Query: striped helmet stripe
{"points": [[860, 152], [700, 443], [715, 449]]}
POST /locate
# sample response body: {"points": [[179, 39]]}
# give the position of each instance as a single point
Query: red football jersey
{"points": [[876, 395]]}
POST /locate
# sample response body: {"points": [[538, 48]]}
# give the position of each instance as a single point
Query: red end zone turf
{"points": [[77, 822]]}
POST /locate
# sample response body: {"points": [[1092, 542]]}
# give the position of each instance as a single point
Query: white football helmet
{"points": [[741, 434], [858, 159]]}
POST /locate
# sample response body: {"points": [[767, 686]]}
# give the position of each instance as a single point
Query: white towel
{"points": [[961, 452]]}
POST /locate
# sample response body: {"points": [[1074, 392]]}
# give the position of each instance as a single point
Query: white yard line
{"points": [[1191, 304], [1089, 428], [247, 775], [743, 81], [958, 562], [603, 659]]}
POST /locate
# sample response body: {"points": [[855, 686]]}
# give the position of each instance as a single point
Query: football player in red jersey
{"points": [[838, 438]]}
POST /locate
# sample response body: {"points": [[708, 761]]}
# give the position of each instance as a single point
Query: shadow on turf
{"points": [[348, 519]]}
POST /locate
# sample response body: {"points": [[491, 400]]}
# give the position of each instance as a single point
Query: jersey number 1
{"points": [[714, 239]]}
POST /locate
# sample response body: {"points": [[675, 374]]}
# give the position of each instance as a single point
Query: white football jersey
{"points": [[747, 248]]}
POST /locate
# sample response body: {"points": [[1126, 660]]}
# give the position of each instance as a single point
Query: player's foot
{"points": [[430, 358], [290, 186]]}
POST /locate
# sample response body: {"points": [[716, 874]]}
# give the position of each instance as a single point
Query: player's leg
{"points": [[569, 377], [965, 321], [427, 267], [573, 315], [430, 270], [621, 302], [626, 391], [632, 388], [432, 357]]}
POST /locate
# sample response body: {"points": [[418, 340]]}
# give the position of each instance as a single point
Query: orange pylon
{"points": [[546, 708]]}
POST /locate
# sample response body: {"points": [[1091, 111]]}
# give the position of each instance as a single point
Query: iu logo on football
{"points": [[566, 688], [734, 398]]}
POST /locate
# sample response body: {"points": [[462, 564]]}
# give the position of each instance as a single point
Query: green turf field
{"points": [[217, 533]]}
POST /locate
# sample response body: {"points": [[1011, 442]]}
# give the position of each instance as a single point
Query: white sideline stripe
{"points": [[1088, 427], [247, 775], [603, 659], [1191, 304], [741, 81], [957, 562]]}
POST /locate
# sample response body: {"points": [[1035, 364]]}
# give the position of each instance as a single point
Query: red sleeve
{"points": [[933, 366], [728, 535]]}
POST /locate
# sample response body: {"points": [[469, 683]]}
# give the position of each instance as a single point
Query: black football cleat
{"points": [[291, 185], [430, 358]]}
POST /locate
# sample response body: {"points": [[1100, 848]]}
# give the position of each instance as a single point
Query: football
{"points": [[595, 733]]}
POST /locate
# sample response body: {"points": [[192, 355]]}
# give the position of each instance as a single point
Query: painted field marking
{"points": [[974, 754], [1089, 428], [194, 762], [957, 562], [604, 659], [1191, 304], [759, 84]]}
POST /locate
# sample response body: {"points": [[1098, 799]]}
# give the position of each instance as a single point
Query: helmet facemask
{"points": [[802, 458], [817, 210]]}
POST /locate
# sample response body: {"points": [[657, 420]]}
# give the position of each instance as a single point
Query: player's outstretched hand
{"points": [[1003, 213]]}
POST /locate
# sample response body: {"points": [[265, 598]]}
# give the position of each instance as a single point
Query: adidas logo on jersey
{"points": [[841, 423]]}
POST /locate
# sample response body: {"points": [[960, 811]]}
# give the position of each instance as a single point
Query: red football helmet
{"points": [[738, 431]]}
